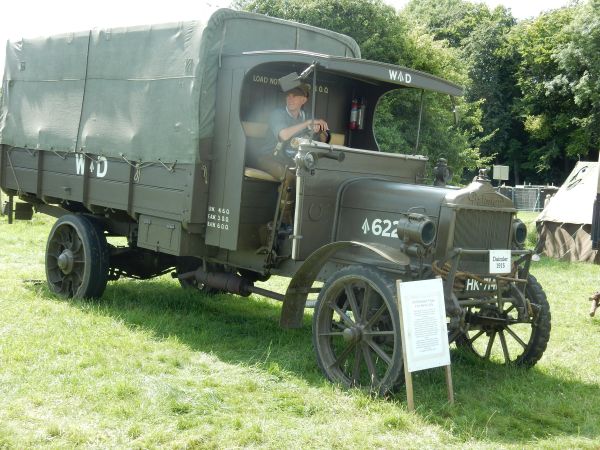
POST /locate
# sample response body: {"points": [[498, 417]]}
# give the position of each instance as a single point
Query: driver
{"points": [[284, 125]]}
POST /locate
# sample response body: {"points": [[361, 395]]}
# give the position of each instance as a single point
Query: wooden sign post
{"points": [[423, 330]]}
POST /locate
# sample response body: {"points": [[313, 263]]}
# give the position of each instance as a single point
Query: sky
{"points": [[33, 18]]}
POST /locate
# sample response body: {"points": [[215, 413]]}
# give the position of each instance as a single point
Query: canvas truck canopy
{"points": [[143, 93]]}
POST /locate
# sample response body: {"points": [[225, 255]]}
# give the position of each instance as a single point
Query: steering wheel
{"points": [[321, 136]]}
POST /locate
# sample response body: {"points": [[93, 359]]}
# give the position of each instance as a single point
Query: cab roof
{"points": [[374, 72]]}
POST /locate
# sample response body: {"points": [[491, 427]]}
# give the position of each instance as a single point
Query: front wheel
{"points": [[497, 334], [77, 257], [356, 330]]}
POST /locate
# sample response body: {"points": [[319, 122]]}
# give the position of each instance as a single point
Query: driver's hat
{"points": [[302, 90]]}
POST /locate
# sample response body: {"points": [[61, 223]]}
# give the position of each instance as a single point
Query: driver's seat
{"points": [[257, 174], [255, 133]]}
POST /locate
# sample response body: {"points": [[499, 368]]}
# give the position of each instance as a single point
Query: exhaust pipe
{"points": [[224, 281], [228, 282]]}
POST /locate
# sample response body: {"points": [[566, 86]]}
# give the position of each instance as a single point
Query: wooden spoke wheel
{"points": [[356, 330], [77, 257], [497, 334]]}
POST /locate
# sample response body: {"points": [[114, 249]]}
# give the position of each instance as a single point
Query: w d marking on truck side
{"points": [[100, 164]]}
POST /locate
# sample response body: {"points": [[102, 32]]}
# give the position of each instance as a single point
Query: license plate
{"points": [[472, 285]]}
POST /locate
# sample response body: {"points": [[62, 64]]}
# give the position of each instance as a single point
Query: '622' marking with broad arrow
{"points": [[381, 227]]}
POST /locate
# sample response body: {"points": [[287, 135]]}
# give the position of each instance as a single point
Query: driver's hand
{"points": [[320, 126]]}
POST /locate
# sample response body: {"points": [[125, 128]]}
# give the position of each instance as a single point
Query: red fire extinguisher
{"points": [[353, 124]]}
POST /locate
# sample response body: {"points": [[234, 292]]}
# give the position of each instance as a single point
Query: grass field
{"points": [[153, 366]]}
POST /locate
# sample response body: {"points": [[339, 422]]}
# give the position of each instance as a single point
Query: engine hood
{"points": [[392, 197], [370, 209], [479, 194]]}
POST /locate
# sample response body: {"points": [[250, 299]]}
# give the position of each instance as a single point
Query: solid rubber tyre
{"points": [[77, 257], [533, 340], [356, 330]]}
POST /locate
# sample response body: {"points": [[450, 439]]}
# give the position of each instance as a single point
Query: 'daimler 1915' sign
{"points": [[500, 261]]}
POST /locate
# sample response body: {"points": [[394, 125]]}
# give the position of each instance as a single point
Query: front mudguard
{"points": [[297, 292]]}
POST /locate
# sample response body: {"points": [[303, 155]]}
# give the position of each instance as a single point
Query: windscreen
{"points": [[413, 121]]}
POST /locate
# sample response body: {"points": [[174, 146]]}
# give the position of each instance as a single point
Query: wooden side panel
{"points": [[156, 190]]}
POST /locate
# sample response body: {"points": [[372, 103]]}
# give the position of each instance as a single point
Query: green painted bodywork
{"points": [[153, 129]]}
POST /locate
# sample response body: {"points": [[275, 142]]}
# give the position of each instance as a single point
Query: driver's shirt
{"points": [[279, 120]]}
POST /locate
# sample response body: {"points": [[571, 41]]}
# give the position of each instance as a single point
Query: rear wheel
{"points": [[77, 257], [497, 334], [356, 330]]}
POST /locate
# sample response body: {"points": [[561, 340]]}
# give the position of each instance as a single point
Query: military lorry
{"points": [[147, 133]]}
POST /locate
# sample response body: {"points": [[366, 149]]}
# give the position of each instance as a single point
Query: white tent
{"points": [[564, 226]]}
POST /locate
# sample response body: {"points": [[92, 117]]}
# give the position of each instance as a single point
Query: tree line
{"points": [[532, 87]]}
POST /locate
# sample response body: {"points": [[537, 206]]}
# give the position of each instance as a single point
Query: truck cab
{"points": [[352, 153]]}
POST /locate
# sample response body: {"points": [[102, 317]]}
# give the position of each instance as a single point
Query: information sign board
{"points": [[424, 331], [425, 335]]}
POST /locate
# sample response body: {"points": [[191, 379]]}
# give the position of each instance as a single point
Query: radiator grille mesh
{"points": [[482, 230]]}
